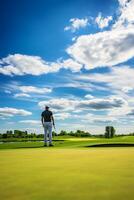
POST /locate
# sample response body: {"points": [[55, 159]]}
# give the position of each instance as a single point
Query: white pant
{"points": [[48, 132]]}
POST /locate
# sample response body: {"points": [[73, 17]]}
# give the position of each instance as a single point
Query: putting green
{"points": [[67, 174]]}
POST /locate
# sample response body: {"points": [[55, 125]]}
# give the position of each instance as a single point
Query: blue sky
{"points": [[75, 56]]}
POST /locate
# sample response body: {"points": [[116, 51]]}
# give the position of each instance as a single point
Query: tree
{"points": [[40, 136], [4, 135], [63, 133], [9, 134], [32, 135], [80, 133], [71, 133], [54, 133], [25, 134], [19, 134], [109, 132]]}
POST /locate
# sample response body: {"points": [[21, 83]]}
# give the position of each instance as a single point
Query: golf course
{"points": [[75, 168]]}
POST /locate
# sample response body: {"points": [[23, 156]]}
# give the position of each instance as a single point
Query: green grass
{"points": [[68, 142], [29, 171]]}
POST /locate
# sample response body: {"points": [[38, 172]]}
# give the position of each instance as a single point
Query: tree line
{"points": [[18, 134], [109, 133], [25, 134]]}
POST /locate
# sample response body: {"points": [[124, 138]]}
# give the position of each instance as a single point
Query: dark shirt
{"points": [[47, 114]]}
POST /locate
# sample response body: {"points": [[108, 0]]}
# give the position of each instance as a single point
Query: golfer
{"points": [[47, 120]]}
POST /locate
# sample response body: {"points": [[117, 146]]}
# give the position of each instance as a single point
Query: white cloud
{"points": [[120, 112], [62, 116], [76, 24], [32, 89], [102, 104], [102, 22], [31, 122], [131, 113], [26, 90], [72, 126], [76, 84], [10, 112], [106, 48], [72, 65], [119, 81], [106, 120], [126, 14], [123, 3], [62, 104], [97, 121], [127, 89], [21, 95], [89, 96], [118, 78], [18, 64]]}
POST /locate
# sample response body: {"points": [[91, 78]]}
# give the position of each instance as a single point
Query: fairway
{"points": [[64, 174]]}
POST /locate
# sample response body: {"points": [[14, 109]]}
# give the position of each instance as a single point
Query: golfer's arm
{"points": [[53, 120], [42, 121]]}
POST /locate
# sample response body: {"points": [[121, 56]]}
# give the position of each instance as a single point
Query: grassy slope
{"points": [[67, 171], [69, 142]]}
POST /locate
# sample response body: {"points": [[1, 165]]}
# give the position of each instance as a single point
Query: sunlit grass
{"points": [[67, 171], [36, 174]]}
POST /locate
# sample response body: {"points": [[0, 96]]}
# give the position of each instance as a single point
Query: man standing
{"points": [[47, 120]]}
